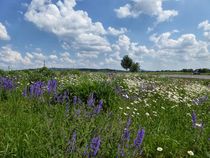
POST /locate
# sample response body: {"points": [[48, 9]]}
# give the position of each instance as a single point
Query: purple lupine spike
{"points": [[121, 151], [90, 100], [75, 100], [25, 92], [126, 134], [99, 107], [36, 89], [194, 119], [6, 83], [139, 138], [31, 90], [72, 142], [95, 144], [65, 96], [67, 108], [78, 111], [59, 98], [52, 86]]}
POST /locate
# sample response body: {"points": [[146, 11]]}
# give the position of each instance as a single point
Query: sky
{"points": [[158, 34]]}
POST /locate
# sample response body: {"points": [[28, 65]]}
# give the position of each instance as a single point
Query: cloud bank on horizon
{"points": [[71, 33]]}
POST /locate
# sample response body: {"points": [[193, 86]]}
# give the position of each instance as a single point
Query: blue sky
{"points": [[159, 34]]}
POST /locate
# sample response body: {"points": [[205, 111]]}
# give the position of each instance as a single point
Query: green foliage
{"points": [[135, 67], [187, 70], [126, 62], [30, 128], [101, 89], [42, 74], [2, 72], [68, 72]]}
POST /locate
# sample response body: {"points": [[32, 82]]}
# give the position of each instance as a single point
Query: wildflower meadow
{"points": [[45, 113]]}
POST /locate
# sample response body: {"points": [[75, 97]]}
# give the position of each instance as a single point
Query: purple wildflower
{"points": [[25, 92], [95, 144], [126, 135], [99, 107], [67, 108], [194, 119], [200, 100], [36, 89], [86, 150], [139, 138], [6, 83], [91, 100], [65, 96], [78, 111], [72, 143], [121, 151], [52, 86], [75, 100]]}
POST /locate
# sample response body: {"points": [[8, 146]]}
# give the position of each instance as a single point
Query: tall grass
{"points": [[38, 127]]}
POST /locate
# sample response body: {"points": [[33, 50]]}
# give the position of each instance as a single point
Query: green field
{"points": [[76, 114]]}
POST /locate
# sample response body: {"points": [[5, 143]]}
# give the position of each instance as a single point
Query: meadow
{"points": [[74, 114]]}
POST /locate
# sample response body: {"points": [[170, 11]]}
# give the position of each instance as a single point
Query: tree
{"points": [[135, 67], [126, 62]]}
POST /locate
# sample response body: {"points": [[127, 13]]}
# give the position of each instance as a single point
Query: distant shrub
{"points": [[2, 72], [42, 74], [67, 72]]}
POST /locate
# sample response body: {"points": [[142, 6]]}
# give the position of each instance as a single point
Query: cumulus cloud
{"points": [[124, 46], [17, 60], [184, 50], [3, 33], [152, 8], [116, 32], [10, 57], [74, 27], [205, 25]]}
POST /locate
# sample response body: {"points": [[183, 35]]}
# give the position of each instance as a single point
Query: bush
{"points": [[42, 74], [100, 89], [2, 72]]}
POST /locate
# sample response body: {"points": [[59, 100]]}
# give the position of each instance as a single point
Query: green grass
{"points": [[34, 127]]}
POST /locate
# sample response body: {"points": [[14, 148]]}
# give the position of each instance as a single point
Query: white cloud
{"points": [[74, 27], [152, 8], [65, 57], [88, 54], [53, 57], [204, 25], [116, 32], [184, 51], [3, 33], [16, 60], [10, 57], [207, 35], [124, 46]]}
